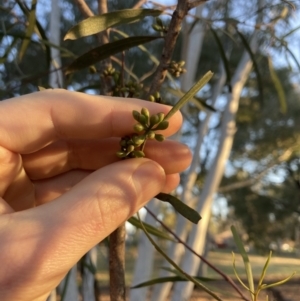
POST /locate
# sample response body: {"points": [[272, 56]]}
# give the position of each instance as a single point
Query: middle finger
{"points": [[65, 155]]}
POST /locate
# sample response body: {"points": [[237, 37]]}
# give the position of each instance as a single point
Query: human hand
{"points": [[62, 188]]}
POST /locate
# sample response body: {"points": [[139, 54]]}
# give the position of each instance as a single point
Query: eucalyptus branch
{"points": [[180, 12], [117, 264], [224, 276], [170, 41]]}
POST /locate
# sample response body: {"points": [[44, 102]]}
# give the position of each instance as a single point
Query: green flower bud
{"points": [[130, 148], [156, 95], [152, 98], [136, 115], [116, 77], [145, 112], [138, 140], [121, 154], [92, 69], [163, 125], [161, 117], [151, 135], [143, 120], [154, 119], [181, 63], [159, 137], [123, 143], [138, 154], [138, 128]]}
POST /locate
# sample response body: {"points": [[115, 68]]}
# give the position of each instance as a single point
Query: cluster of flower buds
{"points": [[129, 89], [176, 68], [132, 146], [109, 71], [159, 26], [156, 98]]}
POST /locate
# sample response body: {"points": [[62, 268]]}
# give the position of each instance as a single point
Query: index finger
{"points": [[30, 122]]}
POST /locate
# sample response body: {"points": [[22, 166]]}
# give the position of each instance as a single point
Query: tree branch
{"points": [[85, 10], [170, 41], [180, 12]]}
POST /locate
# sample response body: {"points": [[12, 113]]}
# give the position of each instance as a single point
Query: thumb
{"points": [[56, 235]]}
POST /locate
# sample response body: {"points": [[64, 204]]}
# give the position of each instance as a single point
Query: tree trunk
{"points": [[55, 78], [183, 291], [68, 289]]}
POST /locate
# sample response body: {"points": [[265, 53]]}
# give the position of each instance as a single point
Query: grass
{"points": [[279, 268]]}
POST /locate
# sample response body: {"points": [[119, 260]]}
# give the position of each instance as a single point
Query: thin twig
{"points": [[85, 10], [170, 41], [228, 279]]}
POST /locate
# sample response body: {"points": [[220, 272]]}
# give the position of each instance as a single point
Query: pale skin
{"points": [[62, 188]]}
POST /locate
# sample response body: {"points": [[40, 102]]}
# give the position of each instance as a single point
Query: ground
{"points": [[280, 267]]}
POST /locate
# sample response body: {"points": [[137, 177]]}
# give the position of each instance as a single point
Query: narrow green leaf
{"points": [[184, 275], [264, 270], [223, 55], [39, 31], [44, 40], [245, 257], [290, 32], [200, 84], [48, 45], [29, 30], [152, 230], [104, 51], [238, 277], [168, 279], [180, 207], [97, 24], [278, 87], [199, 102], [255, 65], [279, 282]]}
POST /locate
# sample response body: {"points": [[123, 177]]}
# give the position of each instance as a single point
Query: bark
{"points": [[144, 263], [117, 264]]}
